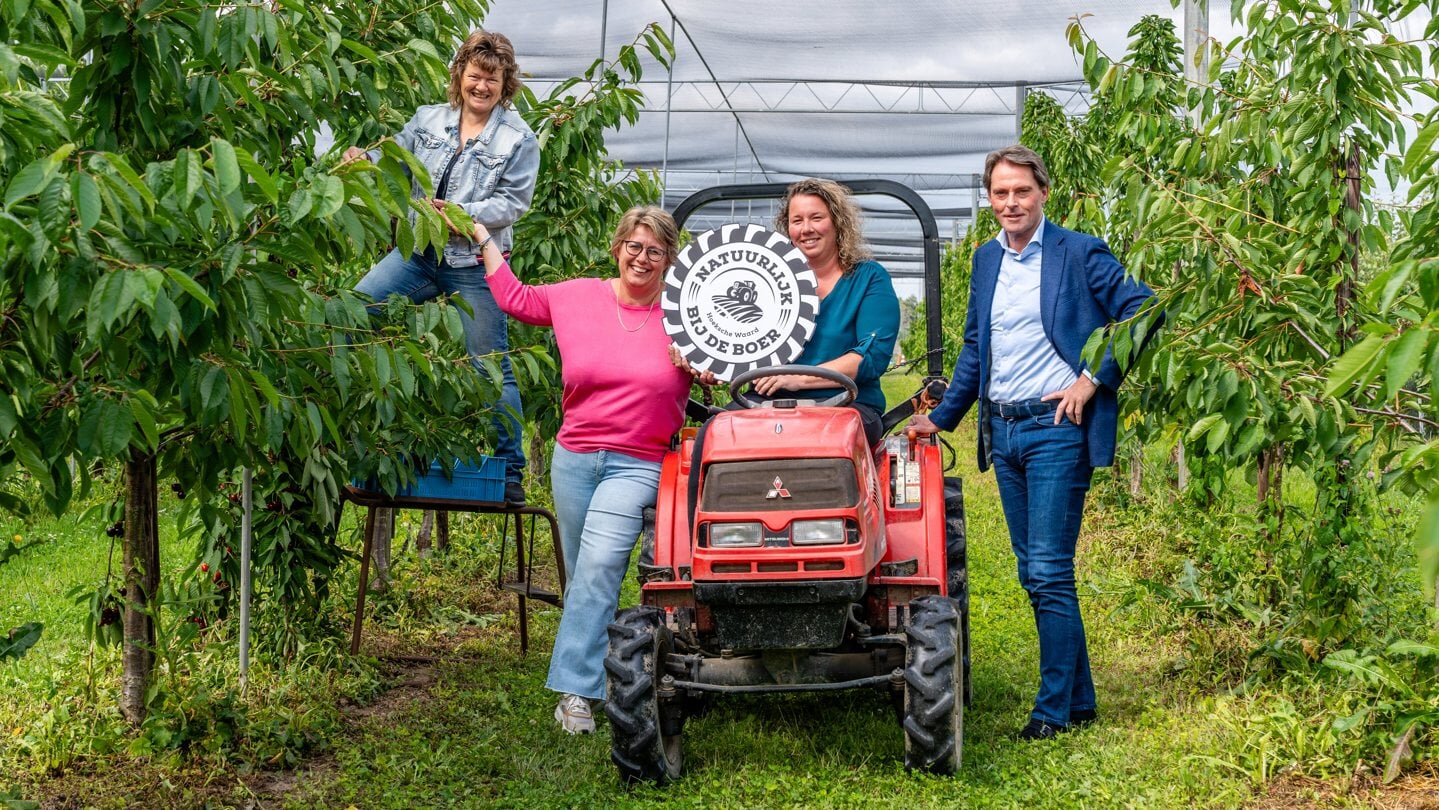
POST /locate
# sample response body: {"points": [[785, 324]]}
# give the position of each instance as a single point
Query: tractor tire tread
{"points": [[933, 717], [636, 747]]}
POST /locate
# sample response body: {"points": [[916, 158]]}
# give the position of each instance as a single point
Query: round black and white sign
{"points": [[740, 297]]}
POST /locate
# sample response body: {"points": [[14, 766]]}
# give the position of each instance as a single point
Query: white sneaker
{"points": [[574, 715]]}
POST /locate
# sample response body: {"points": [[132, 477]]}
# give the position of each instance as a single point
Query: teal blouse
{"points": [[860, 315]]}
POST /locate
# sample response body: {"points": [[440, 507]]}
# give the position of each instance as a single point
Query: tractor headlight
{"points": [[736, 535], [817, 532]]}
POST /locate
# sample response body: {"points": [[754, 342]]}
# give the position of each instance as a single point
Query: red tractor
{"points": [[787, 555]]}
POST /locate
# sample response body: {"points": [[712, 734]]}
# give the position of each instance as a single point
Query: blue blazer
{"points": [[1082, 287]]}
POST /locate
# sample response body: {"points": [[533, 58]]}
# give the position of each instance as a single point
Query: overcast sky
{"points": [[809, 81]]}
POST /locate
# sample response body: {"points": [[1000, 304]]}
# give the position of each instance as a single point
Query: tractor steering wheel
{"points": [[845, 397]]}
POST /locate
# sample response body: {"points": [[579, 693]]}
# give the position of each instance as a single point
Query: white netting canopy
{"points": [[916, 91]]}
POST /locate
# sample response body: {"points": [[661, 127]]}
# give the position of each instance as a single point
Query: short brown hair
{"points": [[657, 219], [493, 52], [1019, 156], [842, 210]]}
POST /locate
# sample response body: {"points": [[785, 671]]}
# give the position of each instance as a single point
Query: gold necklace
{"points": [[619, 318]]}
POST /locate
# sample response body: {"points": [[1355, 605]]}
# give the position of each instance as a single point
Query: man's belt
{"points": [[1024, 408]]}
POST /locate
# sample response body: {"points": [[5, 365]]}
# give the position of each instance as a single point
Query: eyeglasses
{"points": [[653, 253]]}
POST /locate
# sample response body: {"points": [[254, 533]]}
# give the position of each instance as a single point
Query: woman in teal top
{"points": [[858, 319]]}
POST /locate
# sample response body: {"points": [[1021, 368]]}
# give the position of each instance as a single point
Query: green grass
{"points": [[500, 745], [474, 727]]}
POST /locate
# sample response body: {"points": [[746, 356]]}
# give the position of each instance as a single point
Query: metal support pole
{"points": [[247, 524], [976, 187], [604, 25], [1196, 55], [669, 95], [1021, 92]]}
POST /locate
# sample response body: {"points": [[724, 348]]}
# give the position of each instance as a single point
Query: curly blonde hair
{"points": [[493, 52], [842, 211]]}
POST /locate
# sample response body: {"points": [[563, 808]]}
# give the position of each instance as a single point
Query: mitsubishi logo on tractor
{"points": [[777, 490]]}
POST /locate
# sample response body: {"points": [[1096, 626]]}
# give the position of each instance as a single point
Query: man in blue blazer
{"points": [[1046, 417]]}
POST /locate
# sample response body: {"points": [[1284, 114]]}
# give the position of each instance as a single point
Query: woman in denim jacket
{"points": [[484, 158]]}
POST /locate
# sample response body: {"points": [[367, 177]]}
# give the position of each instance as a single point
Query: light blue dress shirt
{"points": [[1023, 362]]}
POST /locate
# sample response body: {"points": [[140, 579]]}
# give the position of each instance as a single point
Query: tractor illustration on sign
{"points": [[743, 291], [788, 555], [739, 302]]}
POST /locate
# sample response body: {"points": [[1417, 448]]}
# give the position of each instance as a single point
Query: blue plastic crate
{"points": [[483, 481]]}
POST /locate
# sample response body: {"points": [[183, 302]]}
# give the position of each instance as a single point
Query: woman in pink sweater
{"points": [[623, 400]]}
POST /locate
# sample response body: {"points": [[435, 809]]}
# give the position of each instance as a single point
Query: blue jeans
{"points": [[420, 278], [1043, 474], [600, 499]]}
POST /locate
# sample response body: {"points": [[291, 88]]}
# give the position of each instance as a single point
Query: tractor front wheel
{"points": [[645, 733], [933, 687]]}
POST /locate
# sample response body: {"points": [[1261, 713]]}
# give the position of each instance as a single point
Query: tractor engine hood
{"points": [[783, 433]]}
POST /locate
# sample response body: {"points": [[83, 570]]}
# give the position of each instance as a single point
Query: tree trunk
{"points": [[384, 534], [1136, 472], [1181, 464], [142, 583], [1269, 491], [1269, 483], [442, 528], [1181, 467], [1344, 291], [1344, 294], [537, 458], [422, 539]]}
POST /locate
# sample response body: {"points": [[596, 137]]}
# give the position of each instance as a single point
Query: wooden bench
{"points": [[522, 584]]}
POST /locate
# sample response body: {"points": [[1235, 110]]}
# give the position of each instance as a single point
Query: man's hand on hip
{"points": [[1072, 400]]}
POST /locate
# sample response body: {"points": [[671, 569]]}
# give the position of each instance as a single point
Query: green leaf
{"points": [[424, 46], [267, 388], [239, 414], [214, 390], [227, 166], [110, 300], [382, 366], [417, 169], [86, 194], [299, 206], [9, 416], [257, 173], [1423, 147], [29, 180], [1405, 357], [1406, 646], [1355, 364], [17, 9], [1202, 426], [186, 177], [145, 419], [361, 50], [329, 195], [115, 428], [1217, 435], [189, 285], [1427, 539], [404, 236], [122, 168], [15, 643]]}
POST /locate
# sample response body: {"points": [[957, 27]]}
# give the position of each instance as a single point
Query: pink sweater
{"points": [[621, 391]]}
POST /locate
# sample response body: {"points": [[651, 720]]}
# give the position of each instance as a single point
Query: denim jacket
{"points": [[494, 179]]}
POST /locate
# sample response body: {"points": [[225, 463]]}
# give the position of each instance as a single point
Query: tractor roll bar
{"points": [[934, 335]]}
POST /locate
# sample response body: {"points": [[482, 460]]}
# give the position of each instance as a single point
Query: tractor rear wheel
{"points": [[957, 562], [933, 687], [645, 737]]}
